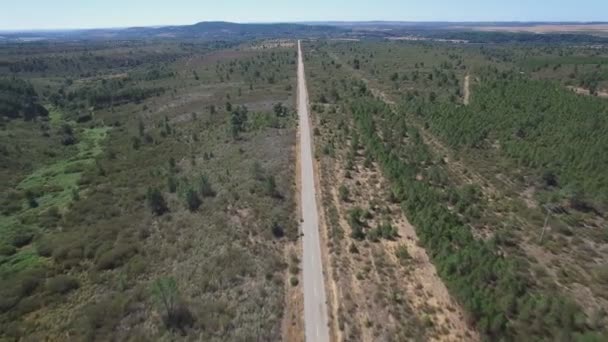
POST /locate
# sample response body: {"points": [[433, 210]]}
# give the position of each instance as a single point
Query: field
{"points": [[154, 197]]}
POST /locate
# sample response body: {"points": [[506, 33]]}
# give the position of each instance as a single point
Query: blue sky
{"points": [[51, 14]]}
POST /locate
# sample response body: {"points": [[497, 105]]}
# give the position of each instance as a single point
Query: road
{"points": [[315, 307]]}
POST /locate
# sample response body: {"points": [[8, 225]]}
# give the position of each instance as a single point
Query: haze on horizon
{"points": [[72, 14]]}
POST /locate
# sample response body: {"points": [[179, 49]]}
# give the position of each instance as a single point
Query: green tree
{"points": [[344, 193], [192, 200], [167, 297], [30, 196], [206, 189]]}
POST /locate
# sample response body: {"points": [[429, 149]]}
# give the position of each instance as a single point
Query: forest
{"points": [[560, 135], [502, 302], [18, 99]]}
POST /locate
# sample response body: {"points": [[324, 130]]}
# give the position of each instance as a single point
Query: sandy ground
{"points": [[583, 91], [416, 282], [467, 90], [598, 28]]}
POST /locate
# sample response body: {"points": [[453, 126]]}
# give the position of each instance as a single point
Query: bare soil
{"points": [[381, 296], [467, 89], [597, 28]]}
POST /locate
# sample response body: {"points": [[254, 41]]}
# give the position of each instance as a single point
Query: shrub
{"points": [[402, 253], [387, 231], [7, 250], [354, 219], [277, 230], [31, 199], [115, 257], [29, 282], [294, 281], [21, 239], [61, 284], [156, 202]]}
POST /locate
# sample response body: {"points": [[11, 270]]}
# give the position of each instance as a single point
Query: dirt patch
{"points": [[467, 90], [382, 296], [597, 28], [273, 44], [583, 91]]}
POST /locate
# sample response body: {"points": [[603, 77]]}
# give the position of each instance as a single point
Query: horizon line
{"points": [[306, 22]]}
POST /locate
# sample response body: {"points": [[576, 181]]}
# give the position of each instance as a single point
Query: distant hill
{"points": [[474, 32], [213, 30]]}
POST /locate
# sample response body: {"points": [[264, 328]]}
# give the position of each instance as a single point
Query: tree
{"points": [[192, 200], [354, 219], [156, 201], [344, 193], [172, 183], [280, 110], [206, 189], [238, 120], [174, 312]]}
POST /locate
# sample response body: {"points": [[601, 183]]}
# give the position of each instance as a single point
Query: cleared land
{"points": [[593, 29]]}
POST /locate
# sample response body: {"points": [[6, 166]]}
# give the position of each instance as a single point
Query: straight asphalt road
{"points": [[315, 308]]}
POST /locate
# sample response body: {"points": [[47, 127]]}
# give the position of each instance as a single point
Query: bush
{"points": [[31, 199], [115, 257], [156, 202], [22, 239], [44, 247], [7, 250], [61, 284], [277, 230], [29, 282], [387, 231], [294, 281]]}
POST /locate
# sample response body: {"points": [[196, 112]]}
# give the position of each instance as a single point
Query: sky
{"points": [[57, 14]]}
